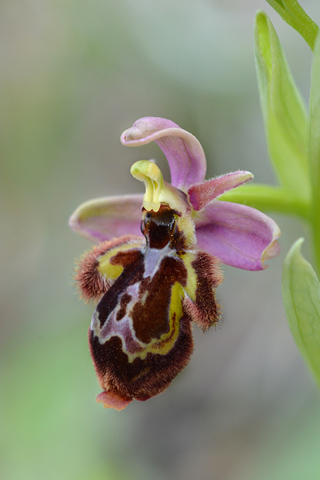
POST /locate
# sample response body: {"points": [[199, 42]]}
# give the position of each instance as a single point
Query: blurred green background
{"points": [[73, 76]]}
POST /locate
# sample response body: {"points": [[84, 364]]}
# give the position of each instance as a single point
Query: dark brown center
{"points": [[159, 228]]}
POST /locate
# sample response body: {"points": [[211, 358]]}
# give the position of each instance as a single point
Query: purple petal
{"points": [[238, 235], [183, 151], [108, 217], [203, 193]]}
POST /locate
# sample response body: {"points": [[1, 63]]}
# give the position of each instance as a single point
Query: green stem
{"points": [[316, 238], [268, 198], [314, 150]]}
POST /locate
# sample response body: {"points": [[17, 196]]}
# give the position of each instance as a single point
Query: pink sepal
{"points": [[108, 217], [238, 235], [183, 151]]}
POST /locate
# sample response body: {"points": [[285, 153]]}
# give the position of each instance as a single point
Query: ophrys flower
{"points": [[151, 287]]}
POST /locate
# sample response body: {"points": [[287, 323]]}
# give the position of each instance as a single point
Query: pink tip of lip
{"points": [[112, 400]]}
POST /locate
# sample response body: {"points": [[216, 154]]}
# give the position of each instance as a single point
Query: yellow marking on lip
{"points": [[191, 287], [106, 268], [166, 342], [187, 229]]}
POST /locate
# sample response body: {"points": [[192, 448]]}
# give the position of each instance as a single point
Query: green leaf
{"points": [[314, 148], [292, 13], [283, 110], [301, 298]]}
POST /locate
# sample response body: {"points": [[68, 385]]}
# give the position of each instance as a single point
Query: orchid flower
{"points": [[156, 267]]}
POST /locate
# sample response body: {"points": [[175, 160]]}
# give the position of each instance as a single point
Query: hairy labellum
{"points": [[150, 291]]}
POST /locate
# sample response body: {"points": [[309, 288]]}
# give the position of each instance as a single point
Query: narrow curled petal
{"points": [[203, 193], [183, 151], [108, 217], [238, 235]]}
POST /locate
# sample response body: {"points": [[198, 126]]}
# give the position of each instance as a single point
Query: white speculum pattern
{"points": [[121, 328], [124, 328], [153, 259]]}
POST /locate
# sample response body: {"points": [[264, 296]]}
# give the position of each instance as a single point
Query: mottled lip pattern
{"points": [[155, 270]]}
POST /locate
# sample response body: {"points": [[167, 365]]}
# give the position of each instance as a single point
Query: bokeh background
{"points": [[73, 76]]}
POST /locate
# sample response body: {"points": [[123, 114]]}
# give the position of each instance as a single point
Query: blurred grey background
{"points": [[73, 76]]}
